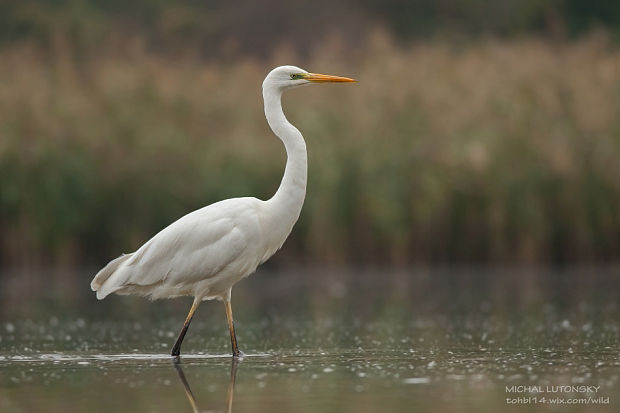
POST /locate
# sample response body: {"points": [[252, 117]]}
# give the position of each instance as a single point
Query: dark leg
{"points": [[231, 326], [176, 350]]}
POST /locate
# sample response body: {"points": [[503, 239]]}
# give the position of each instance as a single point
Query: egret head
{"points": [[284, 77]]}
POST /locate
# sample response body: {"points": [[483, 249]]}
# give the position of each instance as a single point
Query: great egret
{"points": [[204, 253]]}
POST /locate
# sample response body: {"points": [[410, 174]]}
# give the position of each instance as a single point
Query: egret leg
{"points": [[176, 350], [231, 326]]}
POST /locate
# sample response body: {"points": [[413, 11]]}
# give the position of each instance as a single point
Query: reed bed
{"points": [[490, 152]]}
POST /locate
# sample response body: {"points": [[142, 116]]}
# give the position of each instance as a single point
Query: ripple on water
{"points": [[85, 359]]}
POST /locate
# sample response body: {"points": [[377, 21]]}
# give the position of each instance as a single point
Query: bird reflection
{"points": [[188, 390]]}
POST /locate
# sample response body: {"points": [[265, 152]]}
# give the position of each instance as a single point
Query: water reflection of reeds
{"points": [[329, 308]]}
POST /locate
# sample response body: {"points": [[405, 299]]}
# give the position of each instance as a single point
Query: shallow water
{"points": [[439, 341]]}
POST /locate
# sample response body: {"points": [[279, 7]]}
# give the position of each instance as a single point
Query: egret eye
{"points": [[295, 76]]}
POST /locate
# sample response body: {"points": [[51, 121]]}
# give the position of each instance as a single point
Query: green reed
{"points": [[497, 151]]}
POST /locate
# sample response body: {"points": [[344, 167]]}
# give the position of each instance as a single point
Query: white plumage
{"points": [[204, 253]]}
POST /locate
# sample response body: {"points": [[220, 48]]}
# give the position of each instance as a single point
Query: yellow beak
{"points": [[316, 77]]}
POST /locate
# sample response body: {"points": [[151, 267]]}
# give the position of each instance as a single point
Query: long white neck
{"points": [[289, 198]]}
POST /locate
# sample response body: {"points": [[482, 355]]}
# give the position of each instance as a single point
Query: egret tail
{"points": [[99, 282]]}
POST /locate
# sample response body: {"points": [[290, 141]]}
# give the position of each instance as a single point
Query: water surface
{"points": [[439, 341]]}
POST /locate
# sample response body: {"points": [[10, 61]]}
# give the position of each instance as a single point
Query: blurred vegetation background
{"points": [[480, 132]]}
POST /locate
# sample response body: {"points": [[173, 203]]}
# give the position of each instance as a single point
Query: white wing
{"points": [[199, 246]]}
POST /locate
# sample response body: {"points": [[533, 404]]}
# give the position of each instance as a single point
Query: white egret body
{"points": [[204, 253]]}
